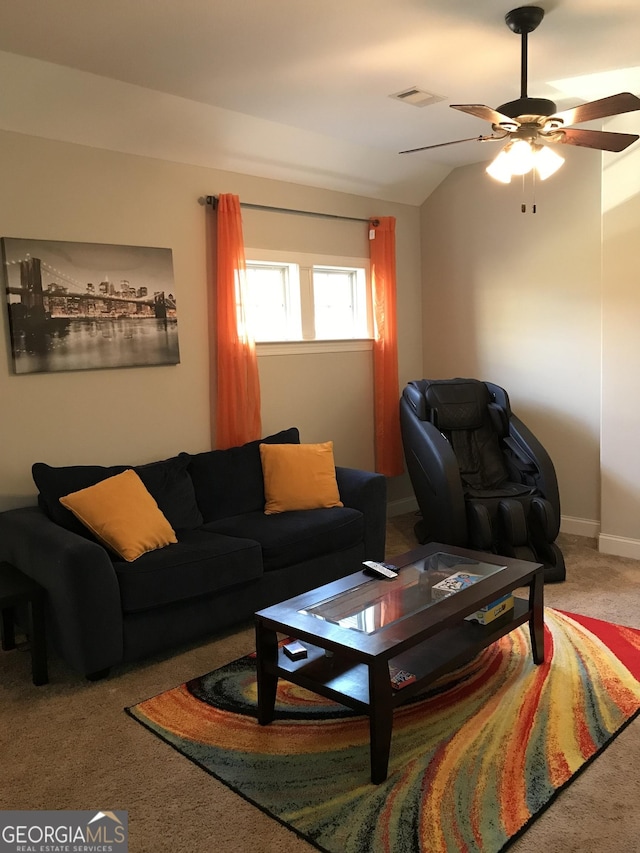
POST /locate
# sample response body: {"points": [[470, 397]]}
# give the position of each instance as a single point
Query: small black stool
{"points": [[15, 589]]}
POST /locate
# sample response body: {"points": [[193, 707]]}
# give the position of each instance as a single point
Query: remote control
{"points": [[380, 570]]}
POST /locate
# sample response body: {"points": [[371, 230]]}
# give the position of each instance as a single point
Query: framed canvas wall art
{"points": [[88, 306]]}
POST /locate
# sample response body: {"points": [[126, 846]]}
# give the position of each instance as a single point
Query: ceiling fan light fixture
{"points": [[516, 158], [519, 157], [547, 162], [500, 168]]}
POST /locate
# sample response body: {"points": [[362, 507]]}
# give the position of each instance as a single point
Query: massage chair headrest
{"points": [[455, 404]]}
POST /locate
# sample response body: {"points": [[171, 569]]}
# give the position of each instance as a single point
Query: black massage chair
{"points": [[481, 478]]}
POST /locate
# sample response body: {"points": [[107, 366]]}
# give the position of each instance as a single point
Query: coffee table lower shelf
{"points": [[364, 684]]}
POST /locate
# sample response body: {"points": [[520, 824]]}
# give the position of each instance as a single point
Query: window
{"points": [[340, 302], [307, 298], [273, 290]]}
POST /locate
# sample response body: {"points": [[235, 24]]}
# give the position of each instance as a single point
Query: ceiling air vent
{"points": [[417, 97]]}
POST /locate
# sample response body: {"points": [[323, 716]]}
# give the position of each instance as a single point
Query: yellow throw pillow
{"points": [[299, 476], [121, 513]]}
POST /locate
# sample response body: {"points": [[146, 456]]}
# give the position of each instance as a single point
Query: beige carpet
{"points": [[70, 745]]}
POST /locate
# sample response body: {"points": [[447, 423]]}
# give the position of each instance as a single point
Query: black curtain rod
{"points": [[212, 200]]}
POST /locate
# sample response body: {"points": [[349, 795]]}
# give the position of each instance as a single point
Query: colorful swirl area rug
{"points": [[474, 759]]}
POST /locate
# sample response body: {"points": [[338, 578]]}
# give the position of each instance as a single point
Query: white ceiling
{"points": [[299, 90]]}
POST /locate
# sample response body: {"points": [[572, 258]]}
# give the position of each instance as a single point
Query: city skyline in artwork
{"points": [[84, 306]]}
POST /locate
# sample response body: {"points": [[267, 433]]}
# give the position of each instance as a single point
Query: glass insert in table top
{"points": [[375, 604]]}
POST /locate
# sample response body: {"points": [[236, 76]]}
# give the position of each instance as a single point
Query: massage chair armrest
{"points": [[545, 477], [84, 615], [533, 457], [366, 491], [435, 477]]}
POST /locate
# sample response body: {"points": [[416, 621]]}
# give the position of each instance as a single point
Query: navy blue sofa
{"points": [[230, 559]]}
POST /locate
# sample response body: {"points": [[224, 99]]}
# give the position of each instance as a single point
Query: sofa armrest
{"points": [[84, 616], [367, 492]]}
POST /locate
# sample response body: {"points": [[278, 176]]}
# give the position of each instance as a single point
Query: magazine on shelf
{"points": [[400, 677]]}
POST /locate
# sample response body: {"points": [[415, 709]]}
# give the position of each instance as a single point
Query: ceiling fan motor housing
{"points": [[525, 108]]}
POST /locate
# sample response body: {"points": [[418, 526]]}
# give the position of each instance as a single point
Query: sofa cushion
{"points": [[167, 481], [229, 482], [293, 537], [199, 564], [172, 487], [122, 515], [298, 476]]}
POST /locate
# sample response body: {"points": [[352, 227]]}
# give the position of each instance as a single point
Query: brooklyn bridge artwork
{"points": [[87, 306]]}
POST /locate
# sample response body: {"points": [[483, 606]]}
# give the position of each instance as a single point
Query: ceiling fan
{"points": [[532, 124]]}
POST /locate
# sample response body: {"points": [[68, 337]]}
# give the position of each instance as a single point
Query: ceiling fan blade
{"points": [[486, 113], [614, 105], [600, 139], [454, 142]]}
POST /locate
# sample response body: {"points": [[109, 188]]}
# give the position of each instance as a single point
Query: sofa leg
{"points": [[99, 675]]}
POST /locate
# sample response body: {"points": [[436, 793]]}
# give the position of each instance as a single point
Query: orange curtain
{"points": [[382, 253], [235, 416]]}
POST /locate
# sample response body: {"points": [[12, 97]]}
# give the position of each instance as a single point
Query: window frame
{"points": [[290, 292], [306, 262]]}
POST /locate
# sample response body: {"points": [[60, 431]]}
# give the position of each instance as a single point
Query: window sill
{"points": [[312, 347]]}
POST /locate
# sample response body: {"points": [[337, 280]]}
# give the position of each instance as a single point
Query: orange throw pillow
{"points": [[299, 476], [121, 514]]}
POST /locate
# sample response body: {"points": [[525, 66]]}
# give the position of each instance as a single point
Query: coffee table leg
{"points": [[8, 633], [380, 719], [536, 620], [266, 663]]}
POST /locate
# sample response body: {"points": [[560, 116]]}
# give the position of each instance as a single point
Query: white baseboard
{"points": [[401, 507], [619, 546], [580, 526]]}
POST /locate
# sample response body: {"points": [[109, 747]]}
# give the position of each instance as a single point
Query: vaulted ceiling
{"points": [[296, 90]]}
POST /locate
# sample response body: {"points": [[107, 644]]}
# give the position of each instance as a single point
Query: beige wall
{"points": [[54, 190], [620, 458], [515, 299]]}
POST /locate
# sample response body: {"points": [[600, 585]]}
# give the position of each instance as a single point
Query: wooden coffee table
{"points": [[355, 628]]}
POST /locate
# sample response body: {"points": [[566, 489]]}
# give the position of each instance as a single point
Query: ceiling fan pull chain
{"points": [[533, 187], [523, 206]]}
